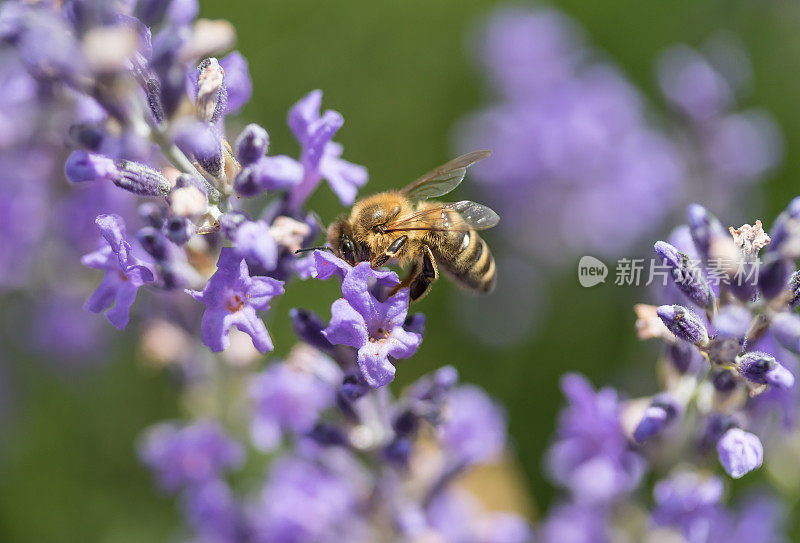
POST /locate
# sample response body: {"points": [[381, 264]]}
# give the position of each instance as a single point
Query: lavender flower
{"points": [[320, 156], [473, 429], [375, 328], [125, 273], [691, 503], [571, 142], [590, 456], [187, 455], [286, 400], [232, 298], [304, 501]]}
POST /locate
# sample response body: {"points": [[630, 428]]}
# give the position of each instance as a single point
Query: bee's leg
{"points": [[427, 273], [390, 252]]}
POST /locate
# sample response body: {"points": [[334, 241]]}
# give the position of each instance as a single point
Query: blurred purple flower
{"points": [[473, 428], [591, 456], [187, 455], [286, 400], [303, 501], [574, 155], [572, 523], [740, 452], [690, 503]]}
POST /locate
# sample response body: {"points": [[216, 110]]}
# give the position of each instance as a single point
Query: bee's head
{"points": [[340, 239]]}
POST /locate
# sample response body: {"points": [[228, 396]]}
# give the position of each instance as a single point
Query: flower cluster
{"points": [[576, 155], [728, 374], [163, 203]]}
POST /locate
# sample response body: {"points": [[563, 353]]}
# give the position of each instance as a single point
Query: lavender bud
{"points": [[415, 323], [252, 144], [732, 321], [703, 227], [152, 214], [154, 242], [779, 232], [406, 423], [140, 179], [786, 329], [686, 277], [794, 289], [724, 380], [201, 141], [82, 166], [212, 96], [87, 135], [231, 221], [740, 452], [680, 356], [308, 327], [353, 387], [178, 229], [398, 451], [662, 410], [683, 323], [763, 369], [328, 435], [773, 276], [152, 90]]}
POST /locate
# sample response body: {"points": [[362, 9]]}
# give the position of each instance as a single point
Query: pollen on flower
{"points": [[234, 304], [750, 238]]}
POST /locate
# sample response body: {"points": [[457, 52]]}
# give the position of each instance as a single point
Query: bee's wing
{"points": [[474, 216], [445, 178]]}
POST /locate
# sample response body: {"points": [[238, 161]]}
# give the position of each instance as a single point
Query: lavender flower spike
{"points": [[684, 324], [375, 328], [124, 272], [740, 452], [687, 277], [763, 369], [232, 298]]}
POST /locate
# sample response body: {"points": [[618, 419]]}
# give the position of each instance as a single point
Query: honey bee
{"points": [[402, 227]]}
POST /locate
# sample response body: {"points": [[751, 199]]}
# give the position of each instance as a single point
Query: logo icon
{"points": [[591, 271]]}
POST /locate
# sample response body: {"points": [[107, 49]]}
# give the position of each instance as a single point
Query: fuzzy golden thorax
{"points": [[363, 228]]}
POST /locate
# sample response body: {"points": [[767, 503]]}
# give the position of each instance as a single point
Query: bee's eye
{"points": [[349, 252]]}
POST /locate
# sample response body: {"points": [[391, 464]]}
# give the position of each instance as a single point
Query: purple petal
{"points": [[374, 364], [237, 81], [303, 113], [321, 132], [347, 326], [120, 314], [248, 322], [261, 290], [343, 177], [214, 329], [104, 295]]}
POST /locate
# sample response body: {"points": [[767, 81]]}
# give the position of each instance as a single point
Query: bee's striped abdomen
{"points": [[466, 257]]}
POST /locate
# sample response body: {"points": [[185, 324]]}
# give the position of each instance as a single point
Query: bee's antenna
{"points": [[313, 249]]}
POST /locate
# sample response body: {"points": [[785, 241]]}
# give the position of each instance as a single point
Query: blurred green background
{"points": [[400, 74]]}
